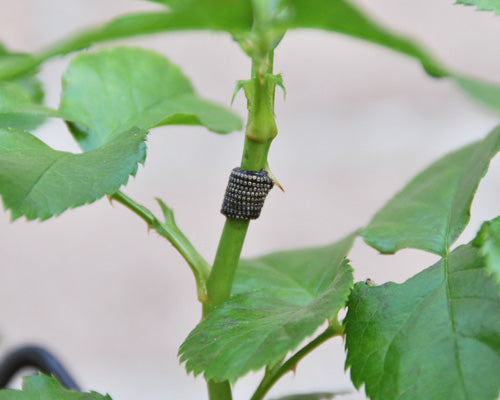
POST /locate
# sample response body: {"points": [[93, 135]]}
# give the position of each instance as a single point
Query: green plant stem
{"points": [[170, 231], [274, 374], [260, 131]]}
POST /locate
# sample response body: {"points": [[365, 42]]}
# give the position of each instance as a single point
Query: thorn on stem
{"points": [[271, 175]]}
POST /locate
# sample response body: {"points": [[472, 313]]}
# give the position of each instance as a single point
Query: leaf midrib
{"points": [[451, 314]]}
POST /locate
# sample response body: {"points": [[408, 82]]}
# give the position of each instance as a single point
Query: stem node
{"points": [[260, 132]]}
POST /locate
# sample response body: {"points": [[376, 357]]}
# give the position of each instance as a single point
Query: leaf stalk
{"points": [[170, 231]]}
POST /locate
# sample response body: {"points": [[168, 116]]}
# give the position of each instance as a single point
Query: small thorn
{"points": [[110, 199], [294, 369], [271, 175], [149, 229]]}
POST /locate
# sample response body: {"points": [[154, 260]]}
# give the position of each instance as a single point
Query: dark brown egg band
{"points": [[245, 194]]}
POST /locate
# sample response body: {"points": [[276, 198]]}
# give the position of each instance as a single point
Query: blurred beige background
{"points": [[359, 121]]}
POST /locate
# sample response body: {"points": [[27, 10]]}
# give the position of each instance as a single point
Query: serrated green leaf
{"points": [[115, 89], [43, 387], [434, 337], [22, 90], [434, 208], [278, 301], [488, 240], [482, 5], [39, 182]]}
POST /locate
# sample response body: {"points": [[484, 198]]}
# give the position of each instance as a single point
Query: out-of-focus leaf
{"points": [[220, 15], [39, 182], [482, 5], [434, 208], [485, 93], [236, 17], [22, 90], [116, 89], [488, 240], [43, 387]]}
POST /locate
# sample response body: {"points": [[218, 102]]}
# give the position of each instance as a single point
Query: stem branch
{"points": [[260, 131]]}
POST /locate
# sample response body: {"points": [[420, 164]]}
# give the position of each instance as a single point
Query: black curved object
{"points": [[37, 358]]}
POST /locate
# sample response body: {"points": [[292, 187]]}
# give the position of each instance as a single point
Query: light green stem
{"points": [[173, 234]]}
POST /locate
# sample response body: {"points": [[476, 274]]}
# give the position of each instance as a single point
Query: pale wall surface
{"points": [[358, 122]]}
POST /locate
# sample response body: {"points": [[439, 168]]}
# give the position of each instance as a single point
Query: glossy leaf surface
{"points": [[482, 5], [279, 300], [434, 208], [434, 337], [488, 240], [39, 182], [43, 387], [114, 90]]}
